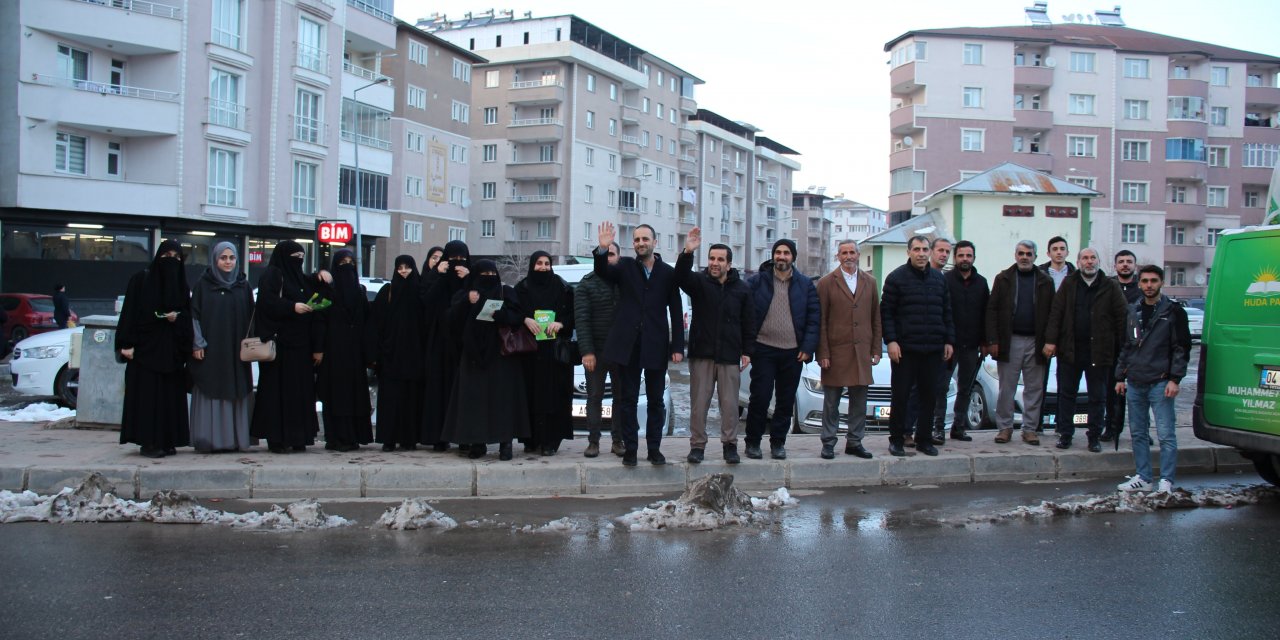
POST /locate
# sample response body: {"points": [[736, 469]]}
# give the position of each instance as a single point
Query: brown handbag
{"points": [[255, 349], [516, 340]]}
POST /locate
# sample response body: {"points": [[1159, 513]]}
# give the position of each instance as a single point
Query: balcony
{"points": [[1188, 87], [308, 136], [1032, 77], [536, 130], [902, 79], [631, 147], [126, 27], [902, 201], [535, 206], [65, 193], [901, 159], [322, 8], [368, 75], [363, 140], [903, 120], [532, 92], [630, 114], [1032, 119], [227, 122], [688, 136], [628, 211], [1183, 254], [535, 170], [1183, 212], [369, 28], [124, 110], [1187, 128], [1036, 161], [1188, 170], [311, 64], [687, 166], [1266, 97], [688, 106]]}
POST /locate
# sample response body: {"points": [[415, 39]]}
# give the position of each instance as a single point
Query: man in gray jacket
{"points": [[593, 315], [1154, 359]]}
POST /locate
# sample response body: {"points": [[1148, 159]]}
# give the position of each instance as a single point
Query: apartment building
{"points": [[1179, 136], [852, 220], [813, 238], [197, 121]]}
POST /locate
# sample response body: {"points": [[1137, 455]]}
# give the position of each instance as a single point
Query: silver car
{"points": [[986, 391]]}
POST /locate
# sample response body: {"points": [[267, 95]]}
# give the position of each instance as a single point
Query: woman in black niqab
{"points": [[342, 383], [154, 336], [398, 314], [548, 382], [441, 353]]}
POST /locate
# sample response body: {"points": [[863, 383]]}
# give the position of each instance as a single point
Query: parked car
{"points": [[807, 417], [40, 366], [1195, 321], [29, 314], [986, 391]]}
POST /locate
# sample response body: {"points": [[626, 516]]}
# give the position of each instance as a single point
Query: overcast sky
{"points": [[812, 74]]}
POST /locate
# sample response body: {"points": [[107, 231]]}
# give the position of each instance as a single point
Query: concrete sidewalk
{"points": [[44, 460]]}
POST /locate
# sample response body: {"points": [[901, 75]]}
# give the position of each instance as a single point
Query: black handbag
{"points": [[567, 352], [516, 340]]}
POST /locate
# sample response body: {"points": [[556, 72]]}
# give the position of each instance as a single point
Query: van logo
{"points": [[1265, 290]]}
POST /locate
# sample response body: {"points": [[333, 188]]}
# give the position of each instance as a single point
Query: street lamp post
{"points": [[355, 97]]}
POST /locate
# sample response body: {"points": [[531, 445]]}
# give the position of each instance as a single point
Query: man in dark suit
{"points": [[648, 329]]}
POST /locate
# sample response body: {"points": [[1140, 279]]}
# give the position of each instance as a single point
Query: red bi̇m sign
{"points": [[334, 232]]}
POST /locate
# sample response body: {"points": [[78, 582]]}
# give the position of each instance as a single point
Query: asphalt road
{"points": [[876, 563]]}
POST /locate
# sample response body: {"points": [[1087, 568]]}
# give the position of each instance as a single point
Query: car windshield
{"points": [[41, 305]]}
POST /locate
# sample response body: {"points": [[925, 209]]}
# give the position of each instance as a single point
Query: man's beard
{"points": [[781, 265], [965, 266]]}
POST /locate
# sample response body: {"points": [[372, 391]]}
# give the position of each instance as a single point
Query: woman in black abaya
{"points": [[284, 412], [343, 383], [154, 337], [397, 312], [441, 352], [548, 382], [487, 404]]}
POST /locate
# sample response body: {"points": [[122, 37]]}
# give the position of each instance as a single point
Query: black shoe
{"points": [[530, 448], [273, 448], [409, 447], [548, 451], [344, 448], [896, 450], [171, 451], [939, 437], [857, 450], [731, 454], [477, 451], [441, 447], [390, 446], [504, 451], [695, 455], [777, 452], [828, 452], [593, 450], [332, 446], [629, 457], [1094, 445], [927, 449], [753, 451], [656, 457], [1063, 442], [154, 453], [959, 434]]}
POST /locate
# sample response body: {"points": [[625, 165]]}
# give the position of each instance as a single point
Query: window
{"points": [[657, 175], [306, 117], [1184, 149], [659, 111], [973, 54], [590, 156], [1252, 199], [311, 53], [1137, 68], [413, 232], [1260, 154], [488, 228], [491, 115], [1177, 276], [905, 180], [1088, 183], [613, 92], [457, 195], [225, 108], [1177, 194], [1186, 108], [613, 127], [69, 152], [114, 160], [1019, 211], [1082, 62], [591, 119], [613, 162], [1177, 235], [671, 115], [547, 153], [461, 112], [366, 124], [1081, 104], [1216, 196], [413, 141], [644, 105], [1136, 109], [544, 229], [591, 82], [373, 188], [489, 153], [458, 153], [1133, 191], [658, 144], [1254, 80], [613, 198], [73, 64], [488, 190], [304, 187], [1179, 72], [644, 138], [1218, 116], [660, 78], [1135, 150], [973, 97], [491, 78], [416, 97], [461, 71], [1211, 236], [1133, 233], [1218, 76], [228, 23], [1061, 212], [971, 139], [588, 193], [224, 177], [1082, 146], [418, 53], [1218, 156]]}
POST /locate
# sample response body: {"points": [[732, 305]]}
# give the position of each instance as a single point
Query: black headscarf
{"points": [[165, 288], [543, 287], [346, 282], [296, 287], [456, 251], [401, 324], [426, 262], [477, 336]]}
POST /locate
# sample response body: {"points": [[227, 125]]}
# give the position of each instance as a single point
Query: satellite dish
{"points": [[1200, 279], [908, 141], [466, 203], [1050, 62]]}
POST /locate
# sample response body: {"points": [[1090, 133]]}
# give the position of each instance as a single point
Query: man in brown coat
{"points": [[1017, 315], [848, 346]]}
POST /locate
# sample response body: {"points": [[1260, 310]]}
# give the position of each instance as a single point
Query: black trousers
{"points": [[1099, 378], [1115, 407], [922, 371], [626, 396], [966, 361], [773, 371]]}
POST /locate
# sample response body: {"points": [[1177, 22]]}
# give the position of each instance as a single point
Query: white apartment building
{"points": [[1179, 136], [852, 220]]}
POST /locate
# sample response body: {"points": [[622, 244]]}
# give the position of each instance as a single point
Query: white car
{"points": [[40, 366], [1195, 321]]}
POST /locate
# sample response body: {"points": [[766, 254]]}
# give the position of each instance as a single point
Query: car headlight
{"points": [[814, 385], [43, 352]]}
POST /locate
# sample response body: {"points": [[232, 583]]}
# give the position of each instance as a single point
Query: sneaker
{"points": [[1164, 486], [695, 455], [1134, 483]]}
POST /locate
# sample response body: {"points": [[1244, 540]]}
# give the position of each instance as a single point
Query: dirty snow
{"points": [[710, 502], [1120, 502], [415, 513], [37, 412]]}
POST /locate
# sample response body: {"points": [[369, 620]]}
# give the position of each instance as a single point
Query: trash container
{"points": [[101, 400]]}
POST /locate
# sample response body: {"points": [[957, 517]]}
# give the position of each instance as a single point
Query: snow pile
{"points": [[710, 502], [1121, 502], [415, 514], [37, 412], [95, 501], [562, 525]]}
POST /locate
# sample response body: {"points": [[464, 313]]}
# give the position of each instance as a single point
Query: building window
{"points": [[613, 198], [973, 97], [1062, 212], [413, 141], [373, 189], [306, 117], [1218, 156], [905, 180], [1218, 76], [488, 190], [1019, 211], [971, 139], [1082, 146], [1136, 109], [591, 119], [69, 153], [1180, 72], [1252, 199], [659, 111], [457, 195], [416, 97], [1082, 62], [1177, 194], [225, 108], [73, 64], [311, 53], [590, 156], [544, 229], [1133, 233], [588, 193], [366, 124], [460, 112], [457, 153], [973, 54], [418, 53], [227, 23], [458, 233], [492, 78], [413, 232], [1184, 149], [1135, 150], [1177, 276], [1137, 68], [613, 92], [1081, 104], [591, 82], [613, 162], [1186, 108], [304, 187], [644, 105], [488, 228], [1260, 154], [491, 115], [1088, 183], [489, 153], [224, 177], [1216, 196], [1218, 116], [1211, 236], [115, 161], [1134, 191], [644, 138], [461, 71], [613, 127]]}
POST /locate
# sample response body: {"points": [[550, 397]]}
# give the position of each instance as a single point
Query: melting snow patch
{"points": [[95, 501], [415, 514], [710, 502], [1120, 502], [562, 525], [37, 412]]}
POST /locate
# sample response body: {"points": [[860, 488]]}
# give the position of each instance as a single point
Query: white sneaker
{"points": [[1134, 483], [1164, 486]]}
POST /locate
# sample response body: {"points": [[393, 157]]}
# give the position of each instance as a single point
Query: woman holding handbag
{"points": [[284, 412], [399, 325], [548, 381], [487, 403], [222, 390], [343, 381]]}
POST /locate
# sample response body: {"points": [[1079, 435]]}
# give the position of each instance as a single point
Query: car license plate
{"points": [[1270, 378], [882, 413], [580, 411], [1080, 418]]}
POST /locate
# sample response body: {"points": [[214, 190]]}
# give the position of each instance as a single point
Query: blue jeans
{"points": [[1143, 401]]}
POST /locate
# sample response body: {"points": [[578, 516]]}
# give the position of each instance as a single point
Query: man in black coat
{"points": [[1126, 266], [61, 306], [721, 341], [649, 329], [915, 313], [969, 294]]}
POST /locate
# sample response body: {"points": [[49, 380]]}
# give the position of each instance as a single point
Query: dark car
{"points": [[29, 314]]}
